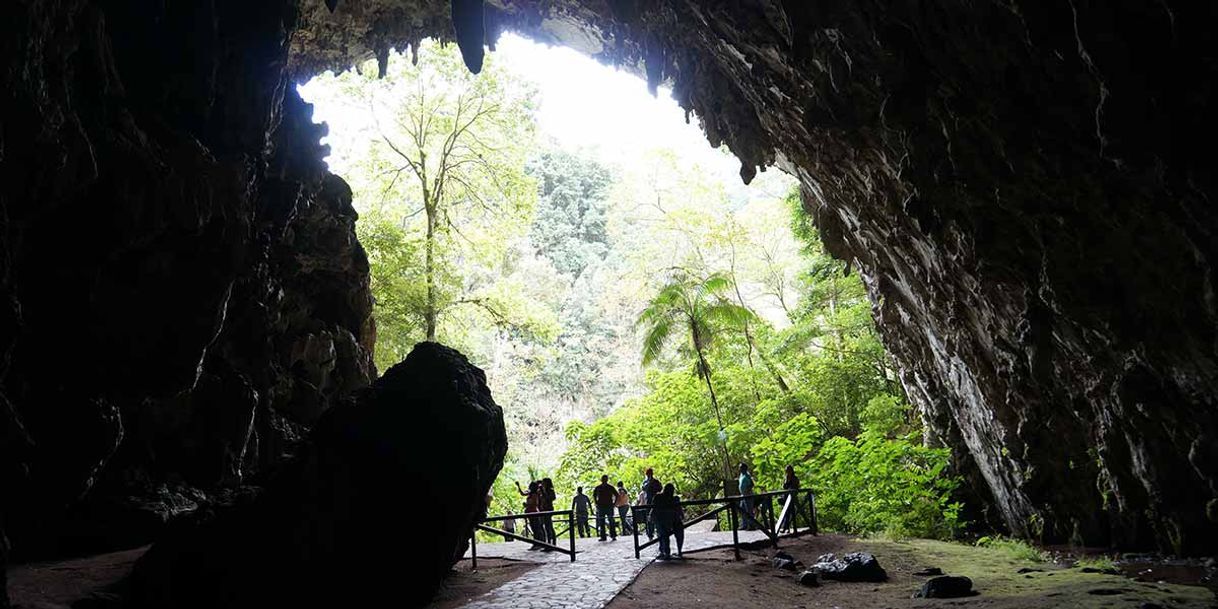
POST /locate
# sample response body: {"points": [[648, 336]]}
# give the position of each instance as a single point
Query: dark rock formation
{"points": [[183, 292], [853, 567], [946, 586], [386, 490]]}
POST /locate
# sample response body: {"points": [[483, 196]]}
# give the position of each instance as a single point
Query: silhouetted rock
{"points": [[783, 564], [853, 567], [386, 490], [946, 586]]}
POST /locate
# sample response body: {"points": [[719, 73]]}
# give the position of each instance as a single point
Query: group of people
{"points": [[664, 518]]}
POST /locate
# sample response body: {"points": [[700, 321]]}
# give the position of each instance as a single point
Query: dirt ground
{"points": [[711, 579], [58, 584], [465, 585]]}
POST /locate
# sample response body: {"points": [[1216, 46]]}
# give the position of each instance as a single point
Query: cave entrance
{"points": [[576, 237]]}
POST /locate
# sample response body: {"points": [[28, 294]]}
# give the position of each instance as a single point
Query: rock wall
{"points": [[183, 292], [1025, 187]]}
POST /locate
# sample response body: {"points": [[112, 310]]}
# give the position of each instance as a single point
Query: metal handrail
{"points": [[732, 505], [481, 526]]}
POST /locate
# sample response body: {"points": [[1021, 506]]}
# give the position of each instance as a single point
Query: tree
{"points": [[696, 308], [437, 160]]}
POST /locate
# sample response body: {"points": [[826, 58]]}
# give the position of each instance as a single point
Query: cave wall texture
{"points": [[1024, 186]]}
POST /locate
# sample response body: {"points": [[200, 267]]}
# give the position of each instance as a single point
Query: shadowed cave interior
{"points": [[1025, 188]]}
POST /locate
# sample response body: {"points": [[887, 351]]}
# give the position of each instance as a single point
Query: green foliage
{"points": [[570, 228], [876, 483], [1017, 549], [818, 393], [436, 164]]}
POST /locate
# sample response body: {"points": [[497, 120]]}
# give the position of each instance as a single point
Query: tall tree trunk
{"points": [[770, 366], [704, 368], [429, 270]]}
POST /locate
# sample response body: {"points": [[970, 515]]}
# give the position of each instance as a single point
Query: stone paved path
{"points": [[600, 571]]}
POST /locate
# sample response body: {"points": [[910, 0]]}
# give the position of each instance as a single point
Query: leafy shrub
{"points": [[876, 484], [1017, 548]]}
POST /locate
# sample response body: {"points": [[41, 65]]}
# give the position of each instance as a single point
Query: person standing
{"points": [[580, 505], [678, 526], [745, 483], [509, 526], [532, 505], [605, 497], [548, 496], [666, 519], [647, 494], [623, 508], [791, 483]]}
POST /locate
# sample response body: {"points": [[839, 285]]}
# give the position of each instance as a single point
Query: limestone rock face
{"points": [[183, 293], [386, 491]]}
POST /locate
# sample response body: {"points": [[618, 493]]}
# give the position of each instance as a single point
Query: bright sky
{"points": [[609, 113], [585, 104]]}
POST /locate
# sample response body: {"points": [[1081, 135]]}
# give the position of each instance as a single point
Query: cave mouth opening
{"points": [[527, 214]]}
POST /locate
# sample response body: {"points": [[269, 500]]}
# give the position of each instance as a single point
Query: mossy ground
{"points": [[995, 574], [714, 580]]}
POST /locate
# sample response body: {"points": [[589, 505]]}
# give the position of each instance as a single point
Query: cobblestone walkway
{"points": [[600, 571]]}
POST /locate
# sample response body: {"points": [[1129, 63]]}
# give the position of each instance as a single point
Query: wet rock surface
{"points": [[365, 504]]}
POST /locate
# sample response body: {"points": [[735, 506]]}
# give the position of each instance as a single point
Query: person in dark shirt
{"points": [[667, 517], [647, 493], [580, 505], [791, 483], [604, 495], [547, 505]]}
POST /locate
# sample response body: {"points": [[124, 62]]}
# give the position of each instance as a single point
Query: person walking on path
{"points": [[509, 525], [605, 496], [532, 505], [791, 483], [623, 508], [746, 502], [547, 505], [647, 494], [580, 505], [666, 515]]}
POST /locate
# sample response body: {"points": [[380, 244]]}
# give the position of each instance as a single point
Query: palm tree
{"points": [[697, 309]]}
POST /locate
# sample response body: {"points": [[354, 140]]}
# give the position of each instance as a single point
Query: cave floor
{"points": [[607, 574], [714, 579]]}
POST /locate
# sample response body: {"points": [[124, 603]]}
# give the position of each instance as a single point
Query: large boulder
{"points": [[376, 508], [853, 567]]}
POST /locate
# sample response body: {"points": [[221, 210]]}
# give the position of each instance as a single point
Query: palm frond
{"points": [[655, 338]]}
